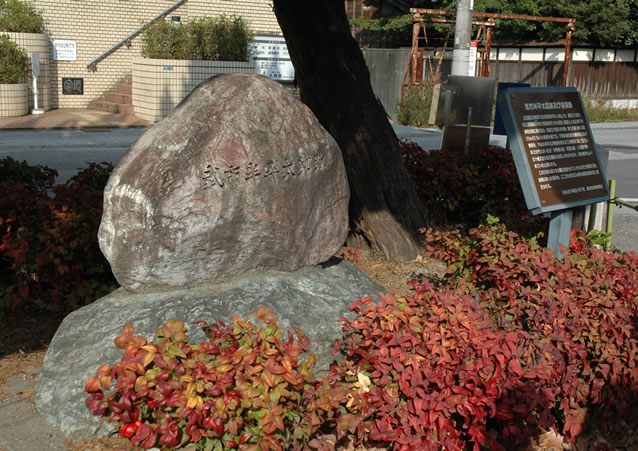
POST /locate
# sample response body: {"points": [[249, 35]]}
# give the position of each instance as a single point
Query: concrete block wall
{"points": [[37, 42], [98, 25], [159, 85], [13, 100]]}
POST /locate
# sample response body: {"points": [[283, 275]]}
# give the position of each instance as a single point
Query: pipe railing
{"points": [[93, 64]]}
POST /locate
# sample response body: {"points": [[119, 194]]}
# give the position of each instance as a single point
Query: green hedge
{"points": [[19, 16], [13, 62], [211, 38]]}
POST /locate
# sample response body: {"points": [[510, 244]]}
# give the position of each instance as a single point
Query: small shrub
{"points": [[598, 112], [460, 189], [424, 372], [517, 342], [48, 237], [164, 40], [222, 38], [582, 309], [20, 17], [414, 109], [212, 38], [13, 62], [243, 388]]}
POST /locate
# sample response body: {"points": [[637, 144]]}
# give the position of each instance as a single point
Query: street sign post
{"points": [[35, 71]]}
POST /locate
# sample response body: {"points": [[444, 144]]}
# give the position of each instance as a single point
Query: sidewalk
{"points": [[72, 119]]}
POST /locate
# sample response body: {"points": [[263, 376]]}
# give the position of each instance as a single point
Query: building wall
{"points": [[13, 100], [159, 85], [100, 24]]}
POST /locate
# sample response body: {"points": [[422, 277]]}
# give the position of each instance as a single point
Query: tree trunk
{"points": [[335, 83]]}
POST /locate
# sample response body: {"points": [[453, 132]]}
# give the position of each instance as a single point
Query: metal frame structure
{"points": [[485, 30]]}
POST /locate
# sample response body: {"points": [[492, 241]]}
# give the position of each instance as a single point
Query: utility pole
{"points": [[462, 37]]}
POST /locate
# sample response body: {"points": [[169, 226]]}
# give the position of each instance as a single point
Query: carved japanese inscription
{"points": [[219, 175]]}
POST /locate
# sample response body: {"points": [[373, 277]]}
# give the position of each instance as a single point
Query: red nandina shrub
{"points": [[516, 342], [463, 189], [424, 372], [244, 388], [48, 236], [582, 311]]}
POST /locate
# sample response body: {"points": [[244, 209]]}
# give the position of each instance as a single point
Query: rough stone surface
{"points": [[239, 178], [312, 298]]}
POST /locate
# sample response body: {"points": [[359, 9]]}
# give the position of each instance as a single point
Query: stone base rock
{"points": [[312, 298]]}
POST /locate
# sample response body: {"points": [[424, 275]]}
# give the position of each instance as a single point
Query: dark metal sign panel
{"points": [[73, 86], [553, 148]]}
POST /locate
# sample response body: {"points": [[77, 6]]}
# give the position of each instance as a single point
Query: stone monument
{"points": [[238, 198], [240, 178]]}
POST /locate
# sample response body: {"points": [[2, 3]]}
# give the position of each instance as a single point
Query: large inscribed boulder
{"points": [[238, 179]]}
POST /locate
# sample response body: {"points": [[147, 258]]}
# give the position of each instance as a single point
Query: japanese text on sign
{"points": [[64, 50], [558, 147], [272, 59]]}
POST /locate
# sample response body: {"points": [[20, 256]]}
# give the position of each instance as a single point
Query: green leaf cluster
{"points": [[414, 109], [19, 16], [601, 23], [210, 38], [13, 62], [390, 24]]}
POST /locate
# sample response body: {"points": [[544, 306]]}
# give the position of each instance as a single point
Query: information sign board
{"points": [[271, 57], [65, 50], [499, 128], [553, 148], [471, 67], [35, 63]]}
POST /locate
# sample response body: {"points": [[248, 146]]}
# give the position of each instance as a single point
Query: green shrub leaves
{"points": [[210, 38], [20, 17], [13, 62]]}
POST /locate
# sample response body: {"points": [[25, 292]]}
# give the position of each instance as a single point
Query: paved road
{"points": [[67, 150], [70, 150]]}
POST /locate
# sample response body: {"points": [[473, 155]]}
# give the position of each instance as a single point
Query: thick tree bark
{"points": [[335, 83]]}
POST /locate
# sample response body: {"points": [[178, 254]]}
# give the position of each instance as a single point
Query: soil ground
{"points": [[26, 334]]}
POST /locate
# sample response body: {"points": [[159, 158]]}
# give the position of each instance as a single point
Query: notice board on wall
{"points": [[271, 57], [65, 50], [553, 148]]}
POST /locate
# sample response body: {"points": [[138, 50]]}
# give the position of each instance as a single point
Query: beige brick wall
{"points": [[159, 85], [13, 100], [100, 24]]}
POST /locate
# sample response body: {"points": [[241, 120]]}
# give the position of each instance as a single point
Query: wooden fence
{"points": [[597, 73]]}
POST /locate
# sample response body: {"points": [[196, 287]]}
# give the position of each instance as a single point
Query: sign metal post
{"points": [[35, 71]]}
